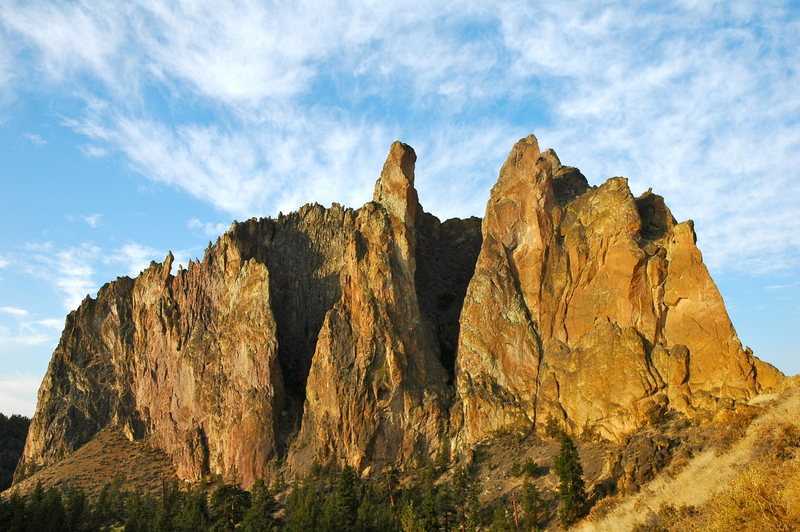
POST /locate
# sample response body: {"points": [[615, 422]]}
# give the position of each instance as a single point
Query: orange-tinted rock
{"points": [[189, 360], [376, 389], [590, 306], [338, 334]]}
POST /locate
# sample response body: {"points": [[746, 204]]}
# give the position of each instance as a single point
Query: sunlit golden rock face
{"points": [[376, 336], [590, 306]]}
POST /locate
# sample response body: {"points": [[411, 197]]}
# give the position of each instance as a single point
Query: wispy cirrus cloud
{"points": [[134, 257], [14, 311], [35, 139], [209, 229], [25, 334], [70, 271], [92, 220], [248, 171], [69, 38], [692, 100], [300, 101]]}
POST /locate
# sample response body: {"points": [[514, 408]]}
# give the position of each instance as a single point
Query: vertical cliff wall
{"points": [[373, 336], [589, 306]]}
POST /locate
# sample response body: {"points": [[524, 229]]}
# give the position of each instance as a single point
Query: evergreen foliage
{"points": [[13, 431], [260, 516], [502, 520], [571, 487], [227, 504], [466, 488], [533, 507], [330, 499]]}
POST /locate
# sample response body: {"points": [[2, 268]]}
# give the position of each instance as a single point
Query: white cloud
{"points": [[3, 263], [24, 337], [135, 257], [70, 270], [92, 220], [695, 107], [696, 99], [18, 394], [52, 323], [6, 72], [209, 229], [14, 311], [35, 139], [256, 170], [92, 151], [69, 37]]}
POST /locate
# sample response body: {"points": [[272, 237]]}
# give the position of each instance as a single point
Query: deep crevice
{"points": [[446, 254], [299, 250]]}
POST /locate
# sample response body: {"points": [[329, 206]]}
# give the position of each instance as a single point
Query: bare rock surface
{"points": [[592, 307], [375, 336]]}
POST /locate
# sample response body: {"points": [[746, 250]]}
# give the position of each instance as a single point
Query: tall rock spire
{"points": [[394, 189], [376, 389]]}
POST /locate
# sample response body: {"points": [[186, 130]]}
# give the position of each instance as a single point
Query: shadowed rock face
{"points": [[339, 334]]}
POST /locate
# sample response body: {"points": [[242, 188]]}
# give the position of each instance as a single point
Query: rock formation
{"points": [[589, 306], [375, 336], [376, 391]]}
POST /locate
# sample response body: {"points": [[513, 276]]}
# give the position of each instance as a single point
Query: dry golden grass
{"points": [[752, 484], [732, 425], [762, 498], [109, 454]]}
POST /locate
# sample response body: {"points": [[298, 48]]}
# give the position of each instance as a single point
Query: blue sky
{"points": [[129, 129]]}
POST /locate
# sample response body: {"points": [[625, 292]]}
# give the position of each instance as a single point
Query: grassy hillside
{"points": [[750, 482], [140, 467]]}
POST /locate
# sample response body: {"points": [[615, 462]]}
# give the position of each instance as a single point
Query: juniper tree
{"points": [[571, 487], [533, 506]]}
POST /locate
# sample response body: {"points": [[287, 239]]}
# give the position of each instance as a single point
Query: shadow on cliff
{"points": [[446, 256], [301, 294]]}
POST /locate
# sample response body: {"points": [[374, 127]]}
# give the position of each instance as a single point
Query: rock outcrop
{"points": [[376, 336], [376, 391], [591, 307]]}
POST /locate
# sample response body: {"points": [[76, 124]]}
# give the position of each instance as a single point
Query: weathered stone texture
{"points": [[590, 306], [374, 336]]}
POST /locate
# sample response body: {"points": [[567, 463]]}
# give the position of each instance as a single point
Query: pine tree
{"points": [[259, 517], [140, 510], [77, 510], [445, 507], [501, 520], [193, 511], [409, 520], [167, 507], [339, 509], [55, 518], [346, 495], [302, 508], [110, 506], [571, 487], [375, 511], [532, 506], [465, 498], [227, 505], [12, 513], [428, 507], [35, 517]]}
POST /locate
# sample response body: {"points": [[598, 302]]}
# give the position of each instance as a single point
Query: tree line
{"points": [[328, 499], [13, 431]]}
